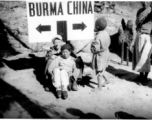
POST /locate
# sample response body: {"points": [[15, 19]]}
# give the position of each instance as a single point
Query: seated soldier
{"points": [[54, 51], [61, 69]]}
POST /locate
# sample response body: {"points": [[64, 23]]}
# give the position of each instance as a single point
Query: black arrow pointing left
{"points": [[42, 28]]}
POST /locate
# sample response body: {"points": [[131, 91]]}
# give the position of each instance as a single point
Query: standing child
{"points": [[62, 68], [100, 50]]}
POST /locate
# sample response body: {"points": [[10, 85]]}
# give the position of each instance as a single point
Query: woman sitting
{"points": [[61, 69]]}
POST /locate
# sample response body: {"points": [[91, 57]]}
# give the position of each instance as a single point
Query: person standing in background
{"points": [[141, 46]]}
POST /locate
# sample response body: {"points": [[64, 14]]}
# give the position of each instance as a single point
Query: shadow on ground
{"points": [[77, 112], [9, 94], [37, 63], [124, 115], [123, 74], [129, 76], [86, 82]]}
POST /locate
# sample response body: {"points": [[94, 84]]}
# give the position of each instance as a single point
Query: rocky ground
{"points": [[22, 93]]}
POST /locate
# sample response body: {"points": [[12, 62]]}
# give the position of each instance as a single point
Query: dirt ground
{"points": [[124, 97], [22, 93]]}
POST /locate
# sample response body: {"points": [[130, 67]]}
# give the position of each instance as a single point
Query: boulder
{"points": [[79, 45]]}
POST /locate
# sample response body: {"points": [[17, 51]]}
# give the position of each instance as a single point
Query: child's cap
{"points": [[66, 46], [57, 37]]}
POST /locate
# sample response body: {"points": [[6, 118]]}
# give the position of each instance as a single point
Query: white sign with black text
{"points": [[74, 19]]}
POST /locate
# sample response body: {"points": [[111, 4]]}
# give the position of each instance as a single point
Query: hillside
{"points": [[22, 93], [14, 26]]}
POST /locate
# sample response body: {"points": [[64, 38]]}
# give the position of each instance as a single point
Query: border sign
{"points": [[74, 20]]}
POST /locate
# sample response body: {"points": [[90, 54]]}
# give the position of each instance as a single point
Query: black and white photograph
{"points": [[75, 59]]}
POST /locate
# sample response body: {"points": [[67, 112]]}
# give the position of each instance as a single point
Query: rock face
{"points": [[14, 28], [102, 6], [13, 24]]}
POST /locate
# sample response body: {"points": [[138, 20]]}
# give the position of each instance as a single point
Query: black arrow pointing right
{"points": [[43, 28], [81, 26]]}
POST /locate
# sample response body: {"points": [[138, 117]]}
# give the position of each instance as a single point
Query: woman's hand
{"points": [[60, 66]]}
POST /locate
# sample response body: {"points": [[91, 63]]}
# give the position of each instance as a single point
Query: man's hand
{"points": [[50, 53]]}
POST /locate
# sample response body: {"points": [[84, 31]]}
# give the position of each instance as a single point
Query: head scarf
{"points": [[143, 15]]}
